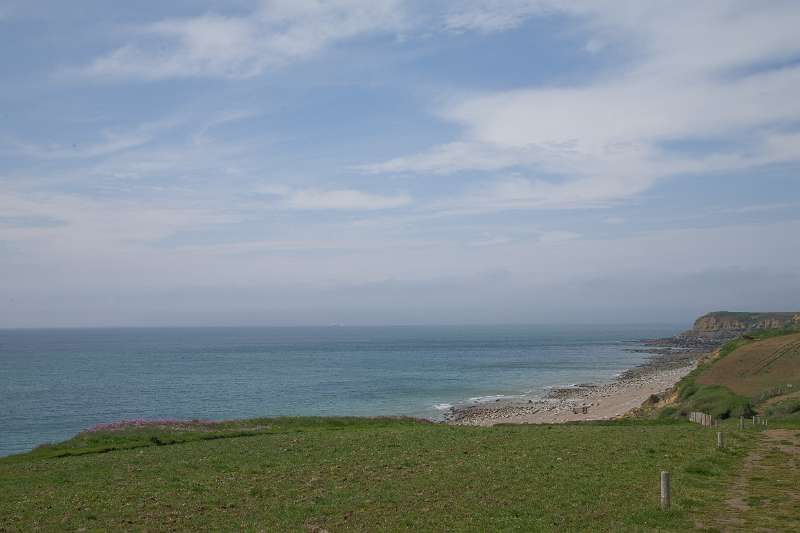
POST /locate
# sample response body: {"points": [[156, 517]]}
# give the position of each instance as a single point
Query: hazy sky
{"points": [[388, 161]]}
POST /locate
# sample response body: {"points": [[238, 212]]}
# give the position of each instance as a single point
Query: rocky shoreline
{"points": [[670, 360]]}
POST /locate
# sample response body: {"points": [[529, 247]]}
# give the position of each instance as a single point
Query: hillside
{"points": [[758, 367], [734, 380]]}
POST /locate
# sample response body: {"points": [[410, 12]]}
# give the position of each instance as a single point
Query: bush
{"points": [[718, 401], [671, 411]]}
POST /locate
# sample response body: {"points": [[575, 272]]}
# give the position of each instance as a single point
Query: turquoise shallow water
{"points": [[54, 383]]}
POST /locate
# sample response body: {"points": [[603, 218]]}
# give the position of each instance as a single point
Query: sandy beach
{"points": [[586, 401]]}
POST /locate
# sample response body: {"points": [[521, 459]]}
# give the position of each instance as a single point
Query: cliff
{"points": [[724, 325]]}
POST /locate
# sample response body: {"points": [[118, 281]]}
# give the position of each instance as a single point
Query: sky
{"points": [[299, 162]]}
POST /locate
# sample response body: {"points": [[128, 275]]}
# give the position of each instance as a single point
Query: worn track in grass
{"points": [[766, 494]]}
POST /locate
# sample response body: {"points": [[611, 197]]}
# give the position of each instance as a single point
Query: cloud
{"points": [[337, 199], [454, 157], [491, 15], [110, 141], [716, 70], [72, 225], [593, 280], [277, 32]]}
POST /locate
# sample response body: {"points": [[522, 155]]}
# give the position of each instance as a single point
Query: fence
{"points": [[777, 391], [704, 419]]}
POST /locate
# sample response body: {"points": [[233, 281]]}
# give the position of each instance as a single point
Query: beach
{"points": [[587, 401]]}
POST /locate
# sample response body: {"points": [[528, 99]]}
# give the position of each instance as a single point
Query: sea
{"points": [[56, 382]]}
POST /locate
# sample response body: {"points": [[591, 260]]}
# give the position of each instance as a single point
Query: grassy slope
{"points": [[358, 475], [783, 411], [728, 384], [757, 367]]}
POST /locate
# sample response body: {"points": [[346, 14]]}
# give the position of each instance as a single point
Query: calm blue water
{"points": [[54, 383]]}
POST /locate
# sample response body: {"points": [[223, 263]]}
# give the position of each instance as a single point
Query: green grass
{"points": [[787, 408], [766, 489], [783, 412], [370, 475], [716, 400]]}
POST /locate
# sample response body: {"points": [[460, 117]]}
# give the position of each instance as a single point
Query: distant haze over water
{"points": [[54, 383]]}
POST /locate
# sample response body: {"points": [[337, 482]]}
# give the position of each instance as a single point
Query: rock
{"points": [[724, 325]]}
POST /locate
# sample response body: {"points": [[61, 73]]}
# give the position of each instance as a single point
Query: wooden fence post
{"points": [[720, 439], [665, 496], [741, 423]]}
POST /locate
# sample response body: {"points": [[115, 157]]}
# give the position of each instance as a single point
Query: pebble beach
{"points": [[586, 401]]}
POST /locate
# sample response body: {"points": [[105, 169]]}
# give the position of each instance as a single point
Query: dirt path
{"points": [[766, 495]]}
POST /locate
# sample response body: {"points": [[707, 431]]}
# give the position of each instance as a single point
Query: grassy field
{"points": [[763, 496], [370, 475]]}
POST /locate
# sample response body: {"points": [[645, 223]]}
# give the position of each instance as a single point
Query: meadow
{"points": [[368, 475]]}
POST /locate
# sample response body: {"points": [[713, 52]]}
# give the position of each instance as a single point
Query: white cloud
{"points": [[454, 157], [108, 142], [95, 224], [274, 34], [338, 199], [491, 15], [594, 46], [111, 142], [699, 74]]}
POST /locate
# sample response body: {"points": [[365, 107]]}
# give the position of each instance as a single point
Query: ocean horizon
{"points": [[57, 382]]}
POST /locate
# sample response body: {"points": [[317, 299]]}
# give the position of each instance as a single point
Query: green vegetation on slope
{"points": [[371, 475], [746, 368], [755, 368], [785, 408]]}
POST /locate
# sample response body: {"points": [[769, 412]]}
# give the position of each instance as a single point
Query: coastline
{"points": [[668, 364]]}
